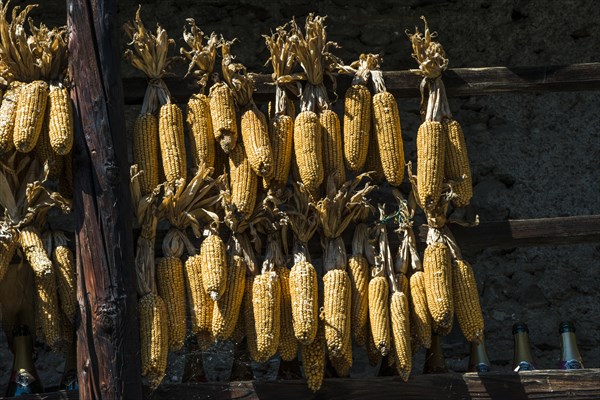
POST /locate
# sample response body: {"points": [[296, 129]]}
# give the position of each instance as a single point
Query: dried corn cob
{"points": [[401, 331], [266, 301], [60, 120], [288, 345], [379, 313], [227, 309], [214, 266], [31, 110], [431, 144], [313, 360], [281, 134], [145, 151], [45, 154], [337, 302], [358, 272], [172, 146], [8, 110], [357, 126], [373, 353], [304, 297], [7, 251], [154, 338], [222, 111], [256, 141], [243, 180], [420, 318], [170, 285], [438, 286], [65, 278], [389, 136], [308, 148], [221, 162], [202, 139], [333, 152], [239, 332], [466, 301], [456, 163], [200, 303], [248, 310], [343, 363], [373, 162]]}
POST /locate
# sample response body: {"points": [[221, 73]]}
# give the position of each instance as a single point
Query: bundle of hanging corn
{"points": [[443, 176]]}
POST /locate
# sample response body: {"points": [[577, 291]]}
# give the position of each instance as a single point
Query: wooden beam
{"points": [[107, 335], [405, 84]]}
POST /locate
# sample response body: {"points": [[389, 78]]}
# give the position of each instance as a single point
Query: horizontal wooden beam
{"points": [[405, 84], [541, 384]]}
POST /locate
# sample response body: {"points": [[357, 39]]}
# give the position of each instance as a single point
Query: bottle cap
{"points": [[520, 327], [566, 326]]}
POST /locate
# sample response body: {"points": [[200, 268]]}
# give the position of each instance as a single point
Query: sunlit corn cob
{"points": [[243, 181], [336, 306], [45, 154], [400, 319], [431, 148], [202, 139], [64, 263], [31, 111], [226, 310], [8, 110], [222, 111], [373, 353], [214, 266], [256, 141], [308, 148], [201, 306], [288, 345], [420, 318], [171, 288], [438, 286], [389, 136], [373, 163], [304, 295], [357, 126], [313, 360], [379, 313], [61, 120], [172, 145], [154, 338], [266, 301], [146, 150], [281, 134], [248, 312], [333, 150], [466, 301], [456, 163], [7, 251], [358, 272]]}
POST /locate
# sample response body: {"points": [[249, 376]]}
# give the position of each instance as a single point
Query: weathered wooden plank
{"points": [[405, 84]]}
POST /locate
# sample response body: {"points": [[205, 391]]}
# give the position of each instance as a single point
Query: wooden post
{"points": [[107, 334]]}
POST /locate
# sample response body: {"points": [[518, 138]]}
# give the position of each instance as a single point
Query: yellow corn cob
{"points": [[438, 286], [308, 148], [172, 145], [66, 178], [466, 301], [373, 353], [214, 266], [154, 338], [373, 162], [222, 111], [60, 120], [145, 151], [420, 318], [243, 181], [202, 139], [400, 318], [333, 152], [200, 303], [170, 285], [7, 251], [256, 141], [294, 169], [313, 360], [65, 279], [45, 154], [239, 332], [248, 311], [281, 134], [226, 310], [304, 297], [288, 345], [358, 272], [456, 163], [266, 301], [8, 110], [357, 126], [379, 313], [343, 363], [389, 136], [336, 306], [431, 143], [31, 110]]}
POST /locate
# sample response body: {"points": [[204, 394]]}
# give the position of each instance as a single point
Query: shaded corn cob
{"points": [[466, 301], [288, 345], [221, 161], [248, 311], [256, 141], [226, 310], [30, 114], [243, 181], [7, 251], [456, 163], [357, 126], [60, 120], [65, 182], [308, 148], [389, 136], [64, 264], [202, 139], [373, 353], [438, 286], [304, 297], [214, 266], [420, 318], [358, 272], [239, 332], [379, 313], [281, 135], [154, 338], [336, 306], [266, 301], [8, 110], [44, 153], [400, 319], [431, 144], [343, 363], [373, 163], [313, 360], [170, 285], [222, 111], [201, 306], [294, 169], [333, 151], [145, 151], [172, 145]]}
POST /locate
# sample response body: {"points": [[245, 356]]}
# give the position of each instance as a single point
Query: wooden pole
{"points": [[107, 334]]}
